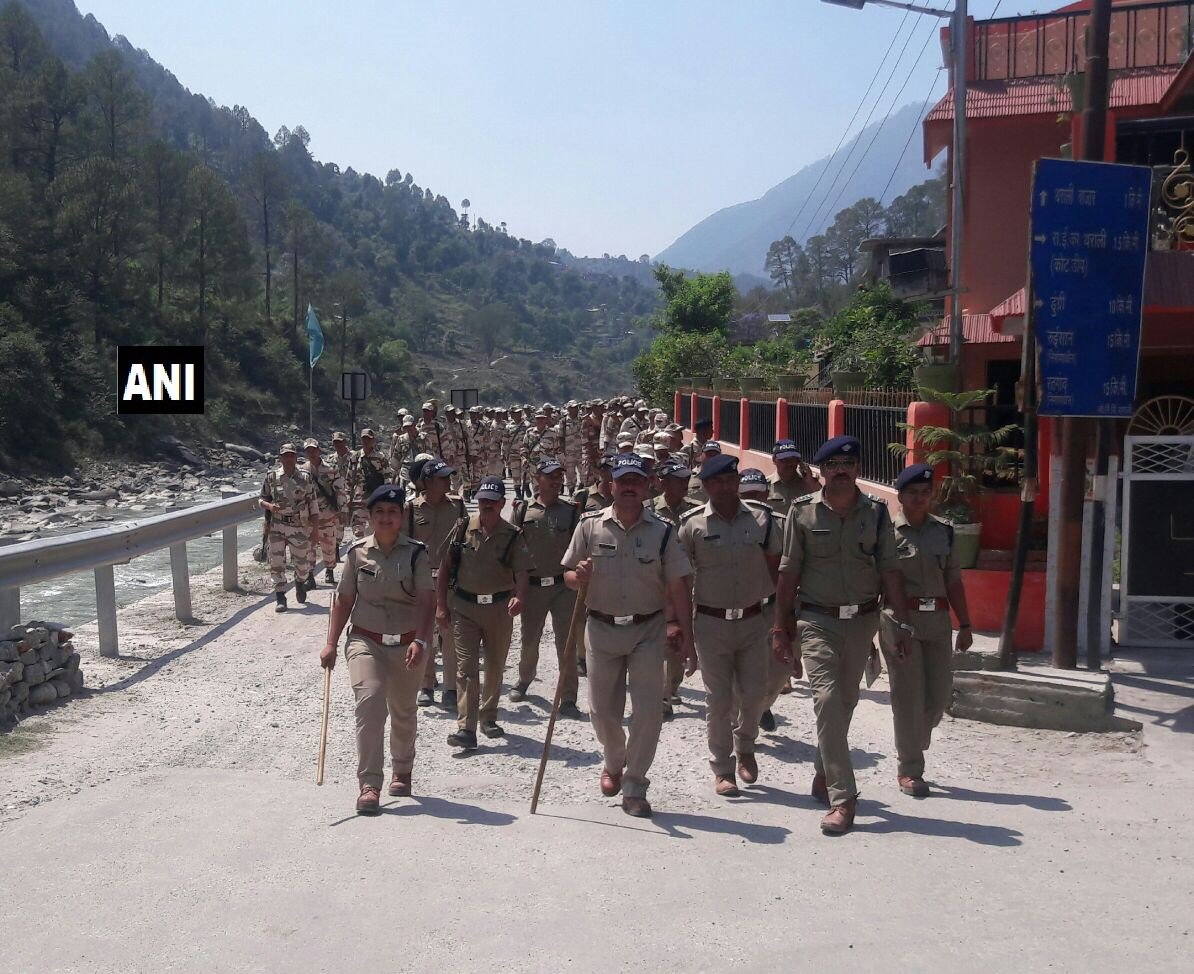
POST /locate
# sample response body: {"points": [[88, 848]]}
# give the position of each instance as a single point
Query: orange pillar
{"points": [[922, 414], [837, 419], [781, 419], [744, 424], [676, 404], [692, 414], [717, 417]]}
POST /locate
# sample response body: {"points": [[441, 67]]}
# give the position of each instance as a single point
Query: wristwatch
{"points": [[421, 643]]}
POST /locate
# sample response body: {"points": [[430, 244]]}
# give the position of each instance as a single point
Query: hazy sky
{"points": [[609, 126]]}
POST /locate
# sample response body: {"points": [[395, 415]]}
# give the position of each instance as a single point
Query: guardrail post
{"points": [[105, 611], [230, 555], [781, 419], [10, 609], [744, 424], [716, 417], [181, 581]]}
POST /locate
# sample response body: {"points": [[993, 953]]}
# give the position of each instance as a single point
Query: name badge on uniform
{"points": [[435, 573], [606, 546], [371, 572]]}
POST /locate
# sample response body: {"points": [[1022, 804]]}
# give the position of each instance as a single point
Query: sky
{"points": [[610, 127]]}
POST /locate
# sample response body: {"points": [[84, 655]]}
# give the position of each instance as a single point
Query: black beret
{"points": [[917, 473], [718, 464], [390, 493], [843, 446]]}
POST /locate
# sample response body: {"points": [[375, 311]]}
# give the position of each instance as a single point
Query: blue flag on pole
{"points": [[314, 335]]}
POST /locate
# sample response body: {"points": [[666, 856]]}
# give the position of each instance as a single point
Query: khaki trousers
{"points": [[295, 537], [480, 632], [835, 652], [733, 657], [921, 687], [673, 673], [443, 644], [558, 600], [323, 537], [616, 653], [381, 682]]}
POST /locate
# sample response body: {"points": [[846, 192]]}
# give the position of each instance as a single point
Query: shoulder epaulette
{"points": [[693, 513], [805, 499], [588, 515], [875, 499], [416, 541], [758, 505], [357, 544]]}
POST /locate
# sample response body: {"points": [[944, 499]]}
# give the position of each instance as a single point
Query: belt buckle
{"points": [[547, 582], [484, 600], [388, 639], [733, 615], [847, 611], [928, 605], [623, 620], [435, 573]]}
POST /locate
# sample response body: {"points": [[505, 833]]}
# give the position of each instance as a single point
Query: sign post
{"points": [[354, 386]]}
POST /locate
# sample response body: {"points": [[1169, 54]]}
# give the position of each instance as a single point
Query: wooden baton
{"points": [[327, 697]]}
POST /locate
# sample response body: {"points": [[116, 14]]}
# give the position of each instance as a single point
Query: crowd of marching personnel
{"points": [[679, 562]]}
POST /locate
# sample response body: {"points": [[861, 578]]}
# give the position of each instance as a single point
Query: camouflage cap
{"points": [[369, 433], [429, 404], [339, 437], [408, 421], [287, 448], [310, 442]]}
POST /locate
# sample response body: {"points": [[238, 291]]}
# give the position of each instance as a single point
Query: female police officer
{"points": [[387, 592]]}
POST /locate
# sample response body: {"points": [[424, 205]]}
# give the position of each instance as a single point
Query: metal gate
{"points": [[1157, 582]]}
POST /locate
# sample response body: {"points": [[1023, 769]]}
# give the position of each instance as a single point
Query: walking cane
{"points": [[578, 612], [327, 695]]}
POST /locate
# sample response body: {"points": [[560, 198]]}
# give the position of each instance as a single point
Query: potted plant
{"points": [[750, 384], [701, 382], [790, 383], [937, 376], [847, 371], [722, 384], [971, 452]]}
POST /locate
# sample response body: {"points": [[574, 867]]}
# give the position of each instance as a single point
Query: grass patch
{"points": [[22, 739]]}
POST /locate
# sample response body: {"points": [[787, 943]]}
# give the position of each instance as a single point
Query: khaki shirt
{"points": [[730, 557], [294, 494], [659, 506], [927, 558], [481, 569], [596, 501], [782, 494], [630, 575], [838, 559], [385, 586], [696, 489], [433, 523], [330, 479], [548, 530]]}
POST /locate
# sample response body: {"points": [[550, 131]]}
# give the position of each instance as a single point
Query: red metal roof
{"points": [[976, 330], [1046, 96], [1012, 307]]}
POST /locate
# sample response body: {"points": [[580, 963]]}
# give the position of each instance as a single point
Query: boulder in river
{"points": [[245, 451]]}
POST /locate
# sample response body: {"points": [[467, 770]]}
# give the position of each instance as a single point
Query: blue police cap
{"points": [[390, 493], [917, 473], [753, 479], [785, 450], [718, 464], [703, 424], [670, 468], [491, 489], [629, 463], [434, 467], [549, 465], [839, 446]]}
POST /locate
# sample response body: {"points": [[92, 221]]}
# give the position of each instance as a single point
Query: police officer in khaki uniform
{"points": [[702, 432], [672, 503], [793, 477], [922, 682], [430, 518], [838, 556], [637, 575], [386, 591], [547, 523], [696, 490], [734, 549], [482, 586]]}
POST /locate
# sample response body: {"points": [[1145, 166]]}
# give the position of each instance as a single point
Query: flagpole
{"points": [[310, 397]]}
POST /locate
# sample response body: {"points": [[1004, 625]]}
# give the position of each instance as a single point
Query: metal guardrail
{"points": [[30, 562]]}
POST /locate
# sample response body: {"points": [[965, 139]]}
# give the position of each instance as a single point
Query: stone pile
{"points": [[38, 665]]}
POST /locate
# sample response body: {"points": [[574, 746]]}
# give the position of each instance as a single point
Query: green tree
{"points": [[874, 333], [701, 304], [673, 355]]}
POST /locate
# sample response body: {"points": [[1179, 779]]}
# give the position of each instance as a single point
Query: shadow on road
{"points": [[682, 825], [1042, 803], [941, 828], [457, 812], [789, 751]]}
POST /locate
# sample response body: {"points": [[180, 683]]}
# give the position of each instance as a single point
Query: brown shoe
{"points": [[400, 784], [820, 789], [748, 769], [611, 783], [840, 818], [638, 807], [726, 786], [915, 787], [369, 801]]}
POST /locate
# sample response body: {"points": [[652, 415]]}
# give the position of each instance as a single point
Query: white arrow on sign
{"points": [[1039, 238]]}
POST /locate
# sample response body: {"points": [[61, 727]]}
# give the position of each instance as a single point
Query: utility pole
{"points": [[958, 41], [1075, 431]]}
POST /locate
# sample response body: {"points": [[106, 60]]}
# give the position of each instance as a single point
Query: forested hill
{"points": [[133, 211]]}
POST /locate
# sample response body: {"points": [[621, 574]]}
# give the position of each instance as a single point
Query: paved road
{"points": [[170, 822]]}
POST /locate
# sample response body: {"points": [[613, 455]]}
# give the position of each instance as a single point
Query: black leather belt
{"points": [[476, 599], [547, 581], [623, 620], [731, 615], [841, 611]]}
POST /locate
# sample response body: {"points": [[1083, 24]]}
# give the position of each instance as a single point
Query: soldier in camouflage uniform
{"points": [[289, 496], [499, 437], [611, 425], [431, 428], [540, 441], [517, 430], [340, 462], [453, 439], [331, 497], [590, 437], [368, 469], [410, 444], [570, 449]]}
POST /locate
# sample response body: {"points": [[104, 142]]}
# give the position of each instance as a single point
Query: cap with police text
{"points": [[673, 469], [437, 468], [491, 489], [548, 465], [389, 493], [711, 447], [714, 466], [917, 473], [753, 480], [629, 463], [839, 446], [785, 450]]}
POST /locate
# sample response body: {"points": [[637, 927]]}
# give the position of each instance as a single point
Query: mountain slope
{"points": [[736, 238]]}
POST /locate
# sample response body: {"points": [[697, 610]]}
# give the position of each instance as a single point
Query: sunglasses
{"points": [[848, 464]]}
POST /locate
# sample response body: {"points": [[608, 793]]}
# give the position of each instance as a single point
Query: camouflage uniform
{"points": [[326, 481], [611, 425], [363, 471], [590, 447], [538, 444], [341, 464], [494, 432], [290, 527], [517, 431], [409, 446], [570, 440]]}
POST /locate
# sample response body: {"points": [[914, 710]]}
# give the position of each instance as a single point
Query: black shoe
{"points": [[767, 722], [448, 700], [668, 714], [582, 666], [675, 699], [491, 728], [329, 577], [518, 692], [300, 592], [311, 585], [569, 709], [280, 599], [465, 739], [425, 698]]}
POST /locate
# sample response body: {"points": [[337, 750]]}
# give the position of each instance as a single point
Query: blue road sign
{"points": [[1089, 245]]}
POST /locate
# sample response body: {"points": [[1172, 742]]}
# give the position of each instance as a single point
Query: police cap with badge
{"points": [[916, 473], [389, 494], [839, 446]]}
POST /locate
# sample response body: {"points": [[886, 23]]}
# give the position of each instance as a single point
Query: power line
{"points": [[917, 123]]}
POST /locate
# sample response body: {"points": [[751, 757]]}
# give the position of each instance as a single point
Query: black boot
{"points": [[280, 599], [329, 577], [300, 590]]}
